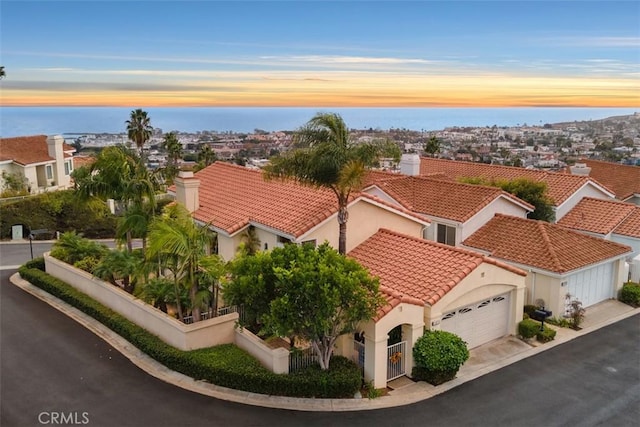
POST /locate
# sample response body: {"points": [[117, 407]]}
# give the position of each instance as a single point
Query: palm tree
{"points": [[119, 174], [139, 129], [325, 157], [176, 238], [2, 73], [173, 147], [206, 156], [119, 267]]}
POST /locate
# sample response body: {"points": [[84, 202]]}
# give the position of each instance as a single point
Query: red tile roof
{"points": [[443, 199], [26, 150], [418, 269], [598, 216], [631, 225], [623, 180], [560, 186], [233, 196], [542, 245]]}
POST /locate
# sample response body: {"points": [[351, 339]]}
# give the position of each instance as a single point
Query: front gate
{"points": [[396, 356]]}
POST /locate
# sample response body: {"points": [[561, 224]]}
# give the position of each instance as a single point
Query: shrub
{"points": [[576, 313], [72, 248], [630, 294], [546, 335], [558, 321], [438, 356], [224, 365], [529, 309], [528, 328], [37, 263]]}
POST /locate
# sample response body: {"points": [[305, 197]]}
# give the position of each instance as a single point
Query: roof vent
{"points": [[580, 169]]}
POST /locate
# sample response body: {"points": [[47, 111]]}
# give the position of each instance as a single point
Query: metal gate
{"points": [[396, 365]]}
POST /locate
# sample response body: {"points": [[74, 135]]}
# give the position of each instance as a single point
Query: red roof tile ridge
{"points": [[400, 296], [392, 206], [549, 245], [485, 165]]}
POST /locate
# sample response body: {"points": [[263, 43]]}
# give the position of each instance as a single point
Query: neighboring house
{"points": [[433, 286], [558, 261], [456, 210], [623, 180], [45, 162], [231, 198], [565, 190], [611, 220]]}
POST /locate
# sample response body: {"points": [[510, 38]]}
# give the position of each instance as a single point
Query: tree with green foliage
{"points": [[314, 294], [119, 268], [206, 156], [2, 73], [532, 192], [139, 129], [72, 248], [181, 247], [432, 147], [119, 174], [325, 156], [173, 147], [14, 184]]}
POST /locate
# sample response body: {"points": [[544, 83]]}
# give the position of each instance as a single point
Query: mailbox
{"points": [[541, 315]]}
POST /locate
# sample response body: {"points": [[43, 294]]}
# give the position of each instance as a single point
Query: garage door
{"points": [[481, 322], [592, 286]]}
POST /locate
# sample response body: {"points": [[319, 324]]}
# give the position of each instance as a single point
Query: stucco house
{"points": [[566, 190], [230, 199], [424, 283], [623, 180], [45, 162], [433, 286], [455, 210], [558, 261], [608, 219]]}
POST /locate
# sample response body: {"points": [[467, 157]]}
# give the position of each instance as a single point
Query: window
{"points": [[310, 242], [283, 240], [49, 170], [68, 167], [446, 235]]}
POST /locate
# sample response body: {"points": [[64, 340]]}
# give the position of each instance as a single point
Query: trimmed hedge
{"points": [[630, 294], [547, 335], [438, 356], [528, 328], [225, 365]]}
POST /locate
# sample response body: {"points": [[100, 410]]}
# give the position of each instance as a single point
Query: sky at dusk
{"points": [[320, 54]]}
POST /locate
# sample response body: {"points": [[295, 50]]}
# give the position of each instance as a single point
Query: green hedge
{"points": [[225, 365], [630, 294], [528, 328], [57, 211], [546, 335], [438, 355]]}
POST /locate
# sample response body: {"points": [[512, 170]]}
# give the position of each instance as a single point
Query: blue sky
{"points": [[364, 53]]}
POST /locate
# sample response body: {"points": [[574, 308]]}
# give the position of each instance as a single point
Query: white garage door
{"points": [[481, 322], [592, 286]]}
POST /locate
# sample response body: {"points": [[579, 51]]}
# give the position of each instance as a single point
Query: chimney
{"points": [[580, 169], [187, 187], [55, 150], [410, 164]]}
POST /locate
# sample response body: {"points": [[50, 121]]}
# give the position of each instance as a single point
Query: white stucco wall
{"points": [[629, 241], [499, 205], [375, 191]]}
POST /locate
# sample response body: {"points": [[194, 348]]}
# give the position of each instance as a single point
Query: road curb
{"points": [[157, 370]]}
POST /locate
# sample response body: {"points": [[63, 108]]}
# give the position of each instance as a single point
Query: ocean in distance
{"points": [[22, 121]]}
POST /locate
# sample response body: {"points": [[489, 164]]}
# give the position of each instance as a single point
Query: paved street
{"points": [[50, 363]]}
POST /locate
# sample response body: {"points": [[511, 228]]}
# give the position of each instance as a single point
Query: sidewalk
{"points": [[484, 359]]}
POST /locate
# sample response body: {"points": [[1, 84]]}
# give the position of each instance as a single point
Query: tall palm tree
{"points": [[139, 129], [324, 156], [173, 147], [175, 237], [2, 73], [119, 174], [206, 156]]}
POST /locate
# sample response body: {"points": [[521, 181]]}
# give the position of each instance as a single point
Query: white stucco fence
{"points": [[274, 359], [207, 333]]}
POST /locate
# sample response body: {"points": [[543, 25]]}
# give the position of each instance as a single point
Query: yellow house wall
{"points": [[547, 288], [365, 219]]}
